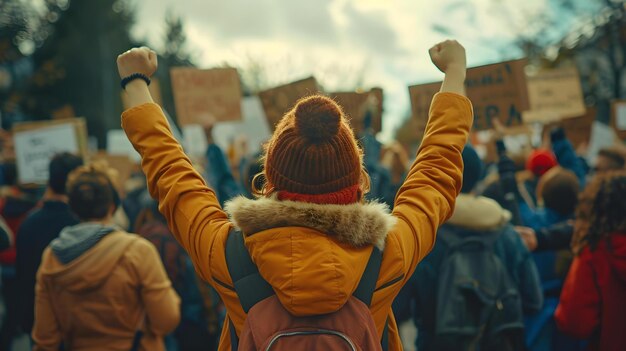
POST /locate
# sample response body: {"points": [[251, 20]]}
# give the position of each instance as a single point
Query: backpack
{"points": [[193, 331], [478, 307], [269, 326], [172, 254]]}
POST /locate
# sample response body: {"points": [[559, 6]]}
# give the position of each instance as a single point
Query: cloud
{"points": [[370, 30], [335, 39]]}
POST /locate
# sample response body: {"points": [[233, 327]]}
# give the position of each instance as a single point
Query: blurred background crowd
{"points": [[552, 183]]}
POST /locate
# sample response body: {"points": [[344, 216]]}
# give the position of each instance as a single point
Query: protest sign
{"points": [[554, 94], [201, 95], [618, 117], [517, 140], [254, 126], [155, 92], [602, 136], [356, 104], [421, 95], [277, 101], [118, 144], [578, 129], [37, 142], [496, 91]]}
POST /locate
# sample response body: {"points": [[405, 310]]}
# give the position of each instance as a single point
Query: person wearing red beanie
{"points": [[540, 161], [310, 233]]}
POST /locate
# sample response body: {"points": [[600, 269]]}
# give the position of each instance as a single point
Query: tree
{"points": [[173, 54], [76, 63], [590, 33], [595, 44]]}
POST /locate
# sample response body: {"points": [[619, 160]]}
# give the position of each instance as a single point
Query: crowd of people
{"points": [[326, 239]]}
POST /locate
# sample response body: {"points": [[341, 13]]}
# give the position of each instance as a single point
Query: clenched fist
{"points": [[138, 60], [448, 54]]}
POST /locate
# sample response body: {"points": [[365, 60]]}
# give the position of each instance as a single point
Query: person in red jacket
{"points": [[593, 300]]}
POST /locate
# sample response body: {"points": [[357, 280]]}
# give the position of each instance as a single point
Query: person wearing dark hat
{"points": [[483, 219], [310, 236]]}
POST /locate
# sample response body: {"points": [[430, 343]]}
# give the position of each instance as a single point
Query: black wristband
{"points": [[132, 77]]}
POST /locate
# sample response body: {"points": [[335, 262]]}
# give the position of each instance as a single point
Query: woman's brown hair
{"points": [[601, 210]]}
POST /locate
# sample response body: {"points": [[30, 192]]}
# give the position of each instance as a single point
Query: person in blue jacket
{"points": [[475, 216]]}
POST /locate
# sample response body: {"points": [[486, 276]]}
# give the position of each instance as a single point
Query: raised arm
{"points": [[427, 197], [190, 207]]}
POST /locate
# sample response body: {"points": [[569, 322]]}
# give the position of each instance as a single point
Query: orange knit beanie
{"points": [[313, 152]]}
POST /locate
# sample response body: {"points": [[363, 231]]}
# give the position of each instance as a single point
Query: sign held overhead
{"points": [[37, 142], [199, 94], [496, 91], [277, 101], [554, 95]]}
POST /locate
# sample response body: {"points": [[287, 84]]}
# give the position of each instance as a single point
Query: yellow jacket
{"points": [[312, 255]]}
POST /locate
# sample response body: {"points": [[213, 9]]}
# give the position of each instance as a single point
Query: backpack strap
{"points": [[367, 285], [249, 285]]}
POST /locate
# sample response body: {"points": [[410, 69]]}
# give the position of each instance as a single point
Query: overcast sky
{"points": [[336, 39]]}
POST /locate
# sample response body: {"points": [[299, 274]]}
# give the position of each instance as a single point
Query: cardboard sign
{"points": [[277, 101], [618, 117], [118, 144], [496, 91], [554, 94], [155, 92], [421, 96], [203, 95], [602, 136], [355, 105], [578, 129], [254, 126], [517, 140], [37, 142]]}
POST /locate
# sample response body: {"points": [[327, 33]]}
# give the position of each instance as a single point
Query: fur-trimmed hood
{"points": [[478, 213], [312, 255], [355, 224]]}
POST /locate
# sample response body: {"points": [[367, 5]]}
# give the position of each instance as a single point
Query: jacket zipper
{"points": [[311, 332], [391, 282], [224, 284]]}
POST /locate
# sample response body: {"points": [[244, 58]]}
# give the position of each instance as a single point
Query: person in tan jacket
{"points": [[310, 233], [99, 288]]}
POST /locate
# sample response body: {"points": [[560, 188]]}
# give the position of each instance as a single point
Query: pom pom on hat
{"points": [[317, 118]]}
